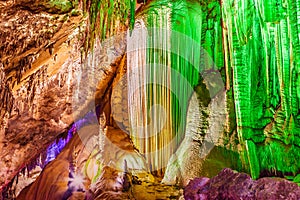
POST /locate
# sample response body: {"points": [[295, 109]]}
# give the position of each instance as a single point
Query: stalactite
{"points": [[106, 18], [161, 74], [263, 50], [132, 14], [136, 118], [6, 97]]}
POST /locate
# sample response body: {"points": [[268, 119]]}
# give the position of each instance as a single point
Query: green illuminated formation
{"points": [[262, 39], [255, 46], [186, 20]]}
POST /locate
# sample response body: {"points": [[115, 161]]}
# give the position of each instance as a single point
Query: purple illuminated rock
{"points": [[231, 185]]}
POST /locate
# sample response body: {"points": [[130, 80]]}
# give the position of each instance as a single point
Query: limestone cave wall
{"points": [[45, 46]]}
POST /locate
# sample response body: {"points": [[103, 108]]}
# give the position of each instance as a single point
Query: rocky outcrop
{"points": [[37, 105], [46, 83], [232, 185], [64, 175]]}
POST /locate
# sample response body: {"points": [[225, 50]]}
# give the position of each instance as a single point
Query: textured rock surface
{"points": [[166, 74], [41, 108], [232, 185], [42, 73], [195, 148]]}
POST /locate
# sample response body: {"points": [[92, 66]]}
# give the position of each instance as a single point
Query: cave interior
{"points": [[149, 99]]}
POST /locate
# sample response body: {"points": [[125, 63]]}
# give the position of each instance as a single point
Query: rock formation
{"points": [[42, 67], [232, 185]]}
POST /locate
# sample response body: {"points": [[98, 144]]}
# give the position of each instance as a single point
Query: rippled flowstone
{"points": [[231, 185]]}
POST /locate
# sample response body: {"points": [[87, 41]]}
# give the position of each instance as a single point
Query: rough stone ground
{"points": [[233, 185], [155, 190]]}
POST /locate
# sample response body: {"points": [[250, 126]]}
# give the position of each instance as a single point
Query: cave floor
{"points": [[142, 191], [155, 191]]}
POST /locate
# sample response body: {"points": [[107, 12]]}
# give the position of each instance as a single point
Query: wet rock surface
{"points": [[231, 185]]}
